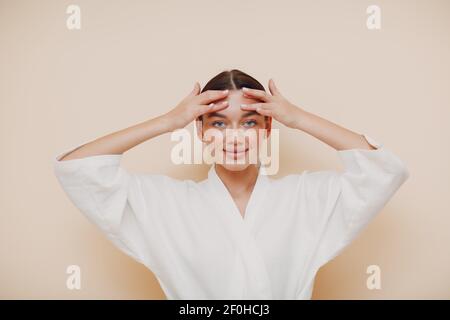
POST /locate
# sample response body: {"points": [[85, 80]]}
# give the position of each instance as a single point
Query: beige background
{"points": [[133, 60]]}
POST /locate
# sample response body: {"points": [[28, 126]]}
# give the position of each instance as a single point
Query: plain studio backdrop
{"points": [[132, 61]]}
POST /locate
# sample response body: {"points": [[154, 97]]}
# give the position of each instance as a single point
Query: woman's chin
{"points": [[235, 167], [236, 162]]}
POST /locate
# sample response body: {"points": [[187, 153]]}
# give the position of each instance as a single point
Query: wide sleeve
{"points": [[345, 202], [106, 194]]}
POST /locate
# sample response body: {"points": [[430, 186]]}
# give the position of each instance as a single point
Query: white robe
{"points": [[192, 236]]}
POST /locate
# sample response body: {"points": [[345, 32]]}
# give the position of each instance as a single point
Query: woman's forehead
{"points": [[235, 98]]}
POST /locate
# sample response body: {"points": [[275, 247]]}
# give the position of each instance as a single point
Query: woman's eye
{"points": [[218, 124], [250, 123]]}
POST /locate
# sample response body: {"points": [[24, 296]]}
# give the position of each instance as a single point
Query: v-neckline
{"points": [[251, 280], [230, 201]]}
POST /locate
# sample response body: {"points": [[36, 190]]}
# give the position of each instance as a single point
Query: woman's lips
{"points": [[235, 152]]}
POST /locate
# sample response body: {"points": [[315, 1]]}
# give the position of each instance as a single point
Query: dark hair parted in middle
{"points": [[232, 80]]}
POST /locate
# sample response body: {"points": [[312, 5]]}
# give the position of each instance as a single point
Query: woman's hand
{"points": [[279, 108], [195, 105], [274, 105]]}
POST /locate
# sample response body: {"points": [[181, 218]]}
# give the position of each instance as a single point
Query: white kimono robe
{"points": [[192, 236]]}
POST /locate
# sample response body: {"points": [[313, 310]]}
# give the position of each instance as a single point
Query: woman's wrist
{"points": [[167, 123], [299, 118]]}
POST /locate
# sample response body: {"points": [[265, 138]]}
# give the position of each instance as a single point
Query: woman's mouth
{"points": [[235, 152]]}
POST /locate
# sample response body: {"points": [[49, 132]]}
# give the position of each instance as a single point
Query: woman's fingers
{"points": [[211, 96], [254, 106], [264, 109], [196, 90], [254, 93], [212, 107], [265, 112], [273, 88]]}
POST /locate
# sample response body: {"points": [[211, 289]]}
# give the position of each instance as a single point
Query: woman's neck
{"points": [[238, 182]]}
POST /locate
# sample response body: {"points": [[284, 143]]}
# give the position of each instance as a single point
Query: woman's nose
{"points": [[235, 132], [235, 137]]}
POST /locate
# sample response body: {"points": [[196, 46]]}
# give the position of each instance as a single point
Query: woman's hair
{"points": [[233, 80]]}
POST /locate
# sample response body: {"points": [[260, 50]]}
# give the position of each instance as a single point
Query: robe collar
{"points": [[242, 232], [255, 198]]}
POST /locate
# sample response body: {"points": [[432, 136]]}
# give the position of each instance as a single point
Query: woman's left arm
{"points": [[339, 204], [278, 107]]}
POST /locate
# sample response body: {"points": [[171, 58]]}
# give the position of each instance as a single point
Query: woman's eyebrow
{"points": [[216, 114], [221, 115], [250, 113]]}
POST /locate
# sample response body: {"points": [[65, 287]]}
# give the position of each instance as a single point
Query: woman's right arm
{"points": [[112, 198], [191, 107]]}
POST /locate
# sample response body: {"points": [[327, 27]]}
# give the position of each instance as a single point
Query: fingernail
{"points": [[211, 104], [244, 88], [243, 105], [225, 102], [225, 91]]}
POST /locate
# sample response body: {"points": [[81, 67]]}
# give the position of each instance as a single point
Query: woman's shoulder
{"points": [[164, 182], [307, 180]]}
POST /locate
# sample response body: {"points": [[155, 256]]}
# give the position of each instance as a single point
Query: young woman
{"points": [[237, 234]]}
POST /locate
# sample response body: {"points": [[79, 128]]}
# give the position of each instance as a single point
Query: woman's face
{"points": [[239, 130]]}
